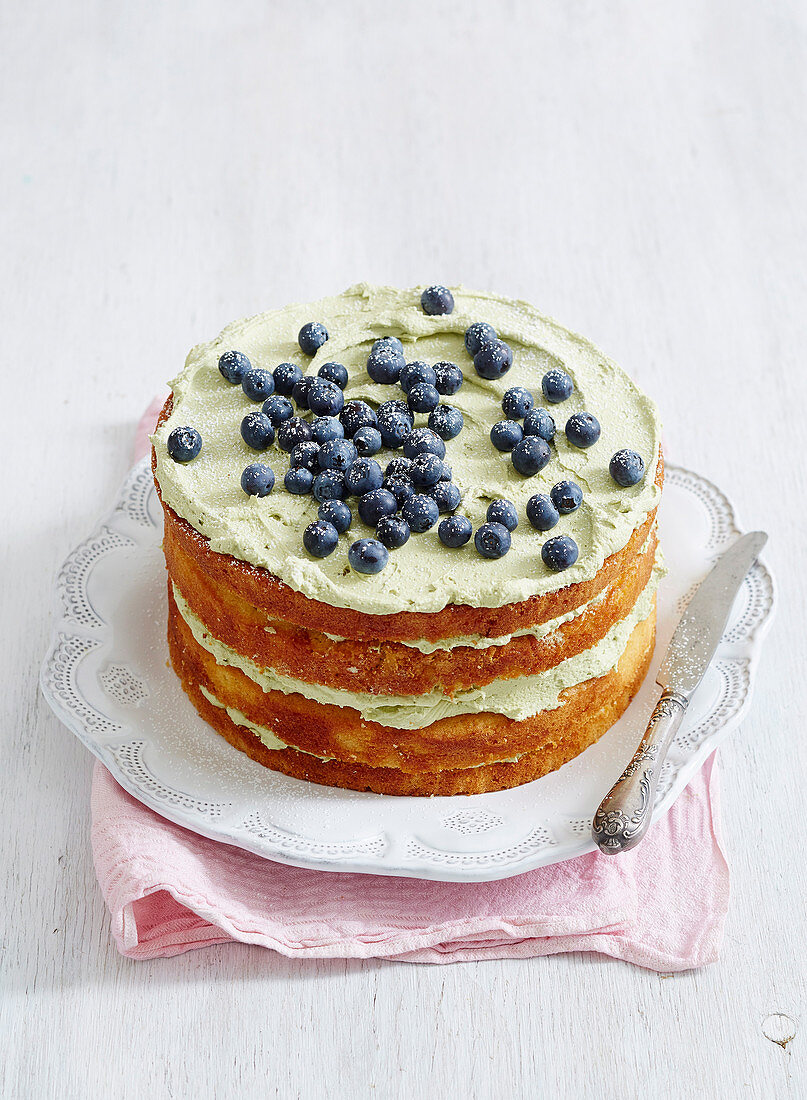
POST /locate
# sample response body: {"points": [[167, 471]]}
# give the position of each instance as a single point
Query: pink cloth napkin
{"points": [[661, 906]]}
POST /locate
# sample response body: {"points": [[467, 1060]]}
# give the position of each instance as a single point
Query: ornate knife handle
{"points": [[625, 812]]}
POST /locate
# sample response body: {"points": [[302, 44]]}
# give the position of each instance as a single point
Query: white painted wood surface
{"points": [[635, 169]]}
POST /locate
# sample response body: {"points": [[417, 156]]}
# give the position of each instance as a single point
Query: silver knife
{"points": [[625, 813]]}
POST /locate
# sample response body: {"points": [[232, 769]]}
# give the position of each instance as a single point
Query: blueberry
{"points": [[363, 476], [304, 456], [400, 489], [506, 434], [449, 378], [477, 334], [392, 531], [395, 407], [567, 496], [278, 409], [541, 512], [539, 422], [424, 441], [517, 402], [326, 428], [258, 384], [385, 363], [311, 337], [325, 398], [367, 441], [559, 552], [257, 431], [320, 538], [184, 444], [368, 556], [329, 485], [399, 466], [337, 454], [455, 531], [446, 495], [437, 300], [390, 343], [423, 398], [420, 512], [298, 480], [531, 455], [492, 540], [446, 421], [299, 391], [337, 513], [582, 429], [426, 471], [291, 432], [394, 427], [556, 385], [333, 372], [375, 504], [416, 372], [503, 512], [355, 415], [285, 376], [626, 468], [258, 480], [234, 365], [493, 359]]}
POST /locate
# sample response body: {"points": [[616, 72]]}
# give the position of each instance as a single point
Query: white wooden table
{"points": [[635, 169]]}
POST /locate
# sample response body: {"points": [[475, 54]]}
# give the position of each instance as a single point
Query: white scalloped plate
{"points": [[106, 677]]}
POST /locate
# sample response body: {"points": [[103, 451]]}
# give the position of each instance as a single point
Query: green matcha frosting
{"points": [[423, 575]]}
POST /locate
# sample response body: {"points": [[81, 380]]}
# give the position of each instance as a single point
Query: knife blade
{"points": [[625, 813]]}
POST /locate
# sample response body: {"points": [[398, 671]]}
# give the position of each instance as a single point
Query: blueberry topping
{"points": [[293, 431], [455, 531], [326, 428], [567, 496], [392, 531], [416, 372], [375, 504], [556, 386], [234, 365], [541, 512], [477, 334], [423, 398], [299, 391], [388, 342], [305, 456], [493, 360], [446, 495], [355, 415], [333, 372], [424, 441], [539, 422], [517, 402], [492, 540], [337, 454], [420, 512], [337, 513], [531, 455], [446, 421], [325, 398], [363, 476], [320, 538], [394, 424], [400, 489], [506, 434], [385, 363], [503, 512], [258, 480], [437, 300], [626, 468], [449, 378], [399, 466], [298, 480], [257, 431], [368, 556], [184, 444], [278, 409], [285, 376], [311, 337], [258, 384], [559, 552], [367, 441], [329, 485], [426, 470], [582, 429]]}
